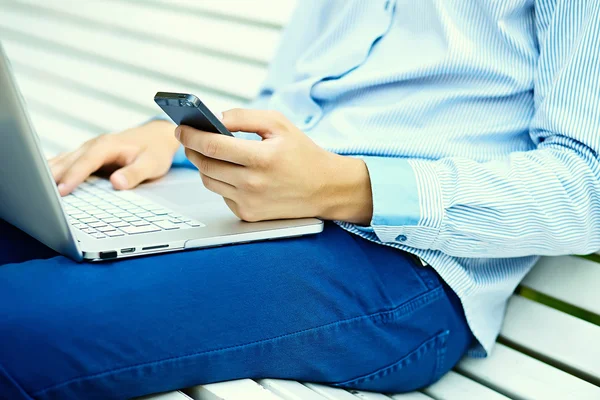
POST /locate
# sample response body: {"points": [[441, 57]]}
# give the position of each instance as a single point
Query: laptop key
{"points": [[110, 220], [120, 224], [154, 219], [160, 212], [166, 225], [195, 224], [78, 215], [105, 228], [131, 219], [144, 214], [114, 233], [122, 214], [88, 220], [97, 224], [140, 223], [133, 230], [98, 235]]}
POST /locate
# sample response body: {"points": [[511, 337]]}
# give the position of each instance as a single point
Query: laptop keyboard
{"points": [[97, 210]]}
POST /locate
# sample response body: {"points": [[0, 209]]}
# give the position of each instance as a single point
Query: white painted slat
{"points": [[243, 389], [455, 386], [411, 396], [100, 113], [180, 28], [573, 280], [290, 390], [369, 395], [265, 11], [233, 77], [125, 85], [557, 336], [177, 395], [55, 135], [330, 393], [522, 377]]}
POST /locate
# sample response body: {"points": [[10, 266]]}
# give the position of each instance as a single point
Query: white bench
{"points": [[88, 67]]}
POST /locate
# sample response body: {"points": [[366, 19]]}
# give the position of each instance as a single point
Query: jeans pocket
{"points": [[417, 369]]}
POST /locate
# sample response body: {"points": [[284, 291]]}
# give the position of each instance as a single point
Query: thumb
{"points": [[145, 166], [265, 123]]}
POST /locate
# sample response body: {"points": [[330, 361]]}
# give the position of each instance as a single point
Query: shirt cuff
{"points": [[407, 205], [180, 160]]}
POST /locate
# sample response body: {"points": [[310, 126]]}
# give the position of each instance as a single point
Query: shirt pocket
{"points": [[419, 368]]}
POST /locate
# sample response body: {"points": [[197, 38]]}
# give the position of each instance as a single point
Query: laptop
{"points": [[96, 222]]}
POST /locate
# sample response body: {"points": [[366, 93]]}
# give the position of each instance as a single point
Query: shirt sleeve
{"points": [[295, 39], [541, 202]]}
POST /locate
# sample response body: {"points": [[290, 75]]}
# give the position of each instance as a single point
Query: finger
{"points": [[220, 147], [144, 167], [218, 187], [263, 122], [57, 158], [220, 170], [62, 164], [233, 206], [91, 160]]}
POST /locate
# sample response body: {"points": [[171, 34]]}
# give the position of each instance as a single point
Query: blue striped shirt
{"points": [[479, 122]]}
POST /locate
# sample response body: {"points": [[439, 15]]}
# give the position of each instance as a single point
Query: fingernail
{"points": [[178, 132], [119, 180], [62, 188]]}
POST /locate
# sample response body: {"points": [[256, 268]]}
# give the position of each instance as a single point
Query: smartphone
{"points": [[187, 109]]}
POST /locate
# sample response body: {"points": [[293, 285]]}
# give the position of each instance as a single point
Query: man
{"points": [[464, 133]]}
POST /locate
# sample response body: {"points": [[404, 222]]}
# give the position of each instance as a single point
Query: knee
{"points": [[37, 340]]}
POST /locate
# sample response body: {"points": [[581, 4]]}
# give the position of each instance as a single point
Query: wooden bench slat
{"points": [[242, 389], [573, 280], [170, 26], [221, 75], [262, 11], [290, 390], [176, 395], [330, 393], [411, 396], [520, 376], [128, 87], [106, 115], [455, 386], [57, 136], [368, 395], [554, 335]]}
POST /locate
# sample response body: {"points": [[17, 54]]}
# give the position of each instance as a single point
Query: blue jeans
{"points": [[330, 308]]}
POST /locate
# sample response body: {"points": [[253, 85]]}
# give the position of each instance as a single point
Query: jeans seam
{"points": [[441, 354], [17, 384], [403, 310], [411, 357]]}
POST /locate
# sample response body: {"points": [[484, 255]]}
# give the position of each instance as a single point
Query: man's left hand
{"points": [[286, 175]]}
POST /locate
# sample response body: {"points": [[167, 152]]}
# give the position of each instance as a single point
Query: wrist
{"points": [[163, 130], [347, 193]]}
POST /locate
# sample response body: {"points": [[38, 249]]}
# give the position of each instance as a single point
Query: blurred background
{"points": [[87, 67]]}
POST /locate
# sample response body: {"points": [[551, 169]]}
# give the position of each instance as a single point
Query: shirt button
{"points": [[401, 238], [308, 119]]}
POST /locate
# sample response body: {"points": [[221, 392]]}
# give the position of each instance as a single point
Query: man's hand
{"points": [[286, 175], [137, 154]]}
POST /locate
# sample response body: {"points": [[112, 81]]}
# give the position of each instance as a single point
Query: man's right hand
{"points": [[133, 156]]}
